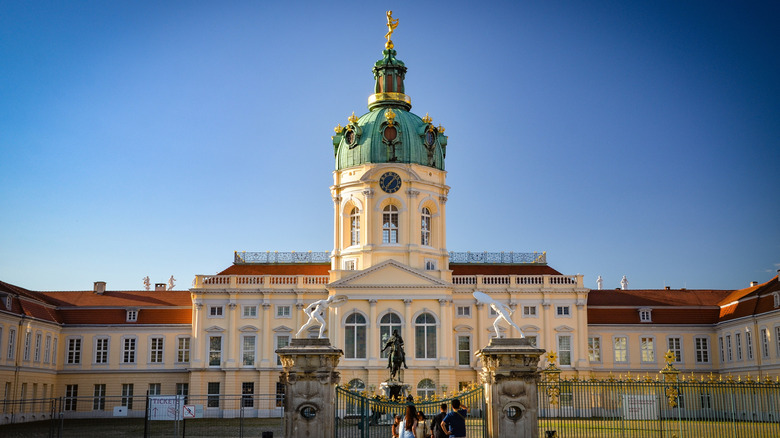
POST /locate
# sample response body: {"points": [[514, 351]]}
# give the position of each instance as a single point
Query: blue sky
{"points": [[623, 138]]}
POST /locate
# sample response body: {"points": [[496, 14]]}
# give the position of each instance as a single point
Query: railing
{"points": [[517, 281], [261, 281], [503, 257]]}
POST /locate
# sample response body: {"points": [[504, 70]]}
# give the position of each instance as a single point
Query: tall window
{"points": [[387, 324], [248, 356], [594, 349], [155, 388], [250, 311], [11, 343], [127, 395], [674, 345], [647, 349], [183, 389], [156, 350], [27, 344], [247, 394], [738, 344], [215, 351], [212, 400], [702, 350], [425, 336], [621, 349], [74, 351], [101, 350], [729, 355], [354, 227], [128, 350], [54, 352], [564, 350], [722, 350], [71, 394], [1, 341], [46, 349], [464, 350], [765, 343], [281, 341], [355, 336], [38, 339], [99, 398], [777, 341], [426, 388], [183, 350], [390, 224], [425, 227], [749, 345]]}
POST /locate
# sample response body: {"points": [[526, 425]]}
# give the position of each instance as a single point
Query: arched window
{"points": [[390, 224], [356, 385], [355, 337], [425, 227], [387, 324], [425, 336], [354, 227], [426, 388]]}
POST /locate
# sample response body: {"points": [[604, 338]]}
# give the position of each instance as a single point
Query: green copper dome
{"points": [[389, 133]]}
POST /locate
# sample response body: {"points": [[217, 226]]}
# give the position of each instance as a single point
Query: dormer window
{"points": [[777, 299], [7, 301], [645, 315], [132, 315]]}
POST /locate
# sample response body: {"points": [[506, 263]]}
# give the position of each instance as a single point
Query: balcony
{"points": [[468, 283], [254, 282]]}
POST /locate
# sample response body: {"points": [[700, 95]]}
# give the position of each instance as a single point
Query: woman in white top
{"points": [[407, 427]]}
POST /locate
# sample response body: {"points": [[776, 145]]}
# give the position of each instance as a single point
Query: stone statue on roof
{"points": [[624, 283], [147, 283], [600, 283], [391, 25], [171, 283]]}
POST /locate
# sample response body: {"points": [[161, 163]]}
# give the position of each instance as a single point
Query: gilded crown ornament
{"points": [[353, 118], [427, 118], [390, 116], [391, 25], [440, 129], [338, 128]]}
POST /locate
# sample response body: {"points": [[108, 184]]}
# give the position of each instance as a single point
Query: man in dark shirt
{"points": [[438, 432], [454, 424]]}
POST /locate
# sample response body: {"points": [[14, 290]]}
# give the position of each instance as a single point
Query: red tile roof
{"points": [[278, 269], [491, 269], [656, 297]]}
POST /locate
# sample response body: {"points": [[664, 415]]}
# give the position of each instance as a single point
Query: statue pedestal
{"points": [[310, 380], [510, 374], [394, 390]]}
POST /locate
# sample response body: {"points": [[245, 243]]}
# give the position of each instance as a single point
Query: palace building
{"points": [[390, 259]]}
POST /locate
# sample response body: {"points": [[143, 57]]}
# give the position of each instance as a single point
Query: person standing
{"points": [[438, 432], [454, 424], [406, 429], [421, 430], [394, 429]]}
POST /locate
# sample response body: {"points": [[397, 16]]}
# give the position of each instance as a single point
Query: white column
{"points": [[268, 337], [408, 334], [372, 333]]}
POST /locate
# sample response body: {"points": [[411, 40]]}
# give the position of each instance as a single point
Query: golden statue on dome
{"points": [[391, 25]]}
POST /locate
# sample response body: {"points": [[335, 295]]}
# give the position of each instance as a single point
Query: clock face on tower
{"points": [[390, 182]]}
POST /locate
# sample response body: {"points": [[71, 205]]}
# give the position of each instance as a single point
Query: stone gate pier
{"points": [[309, 376], [510, 374]]}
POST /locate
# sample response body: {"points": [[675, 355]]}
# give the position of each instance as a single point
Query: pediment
{"points": [[248, 328], [282, 329], [564, 328], [215, 328], [529, 328], [389, 274], [462, 328]]}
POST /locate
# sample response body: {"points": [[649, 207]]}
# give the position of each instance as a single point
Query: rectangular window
{"points": [[765, 343], [702, 350], [562, 310], [777, 341], [281, 341], [674, 345], [127, 395], [706, 400], [1, 341], [349, 265], [132, 315], [644, 315], [183, 389], [464, 350], [529, 311], [532, 340], [738, 345], [74, 351], [250, 311], [212, 400], [564, 350], [621, 349], [99, 398], [430, 265], [71, 394], [594, 349], [128, 350], [155, 388], [729, 354], [282, 311], [279, 394], [37, 354], [54, 352], [249, 351], [101, 350], [215, 351], [722, 350], [27, 345], [156, 350], [11, 343], [247, 394], [749, 345], [492, 312], [46, 349], [647, 349], [215, 311], [390, 225], [183, 350], [464, 311]]}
